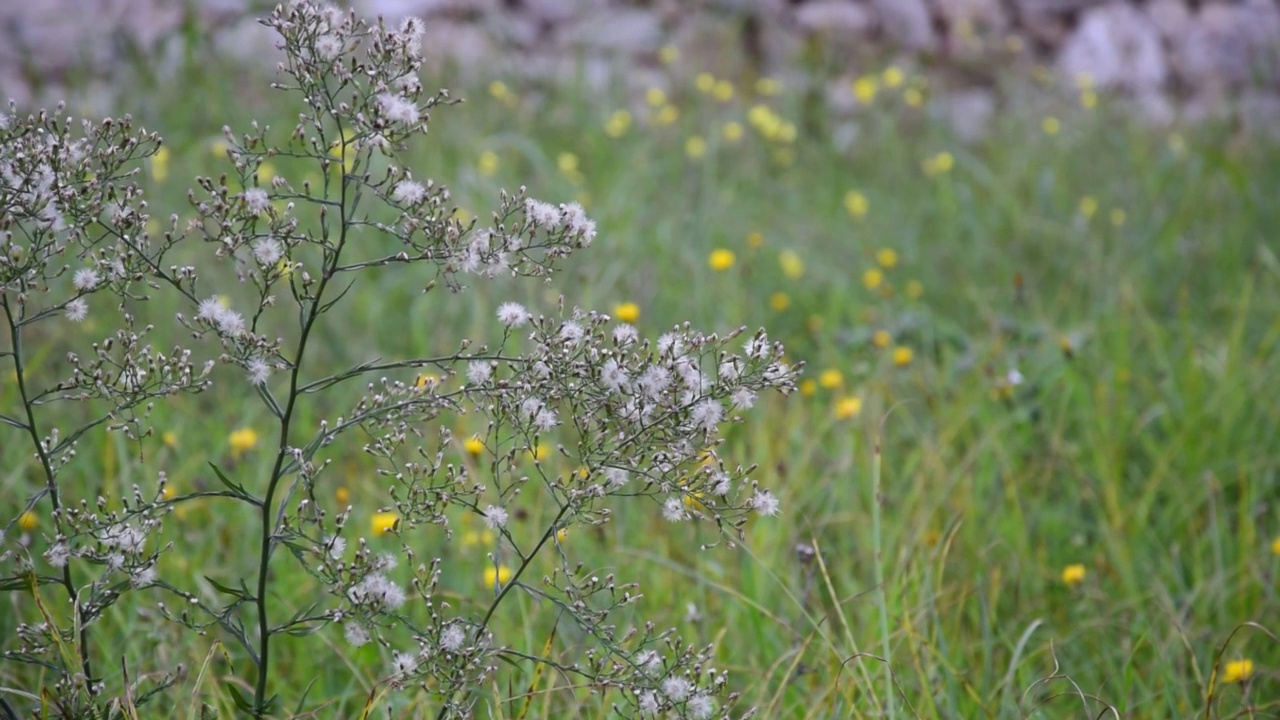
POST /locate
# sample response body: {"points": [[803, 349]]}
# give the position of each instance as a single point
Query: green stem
{"points": [[878, 546], [46, 465]]}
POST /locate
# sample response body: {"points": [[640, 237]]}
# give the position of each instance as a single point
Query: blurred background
{"points": [[1170, 59]]}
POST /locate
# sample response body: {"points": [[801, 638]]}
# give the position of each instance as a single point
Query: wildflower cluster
{"points": [[639, 419]]}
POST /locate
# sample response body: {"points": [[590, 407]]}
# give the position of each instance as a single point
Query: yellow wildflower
{"points": [[242, 440], [500, 91], [881, 338], [791, 264], [1117, 217], [902, 356], [768, 86], [28, 521], [913, 97], [1073, 575], [168, 493], [160, 164], [219, 149], [915, 289], [1088, 206], [887, 257], [831, 379], [477, 538], [779, 301], [695, 147], [732, 131], [668, 54], [617, 124], [893, 76], [1088, 99], [496, 577], [266, 171], [488, 164], [723, 91], [721, 259], [667, 115], [568, 163], [627, 312], [939, 164], [342, 495], [562, 534], [539, 454], [865, 89], [755, 239], [384, 522], [425, 382], [1237, 671], [169, 438], [848, 408], [1275, 546], [872, 278], [655, 96], [808, 387], [856, 203], [705, 82], [1051, 126]]}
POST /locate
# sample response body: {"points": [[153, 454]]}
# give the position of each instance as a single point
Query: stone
{"points": [[907, 23], [1233, 44], [969, 112], [839, 18], [1115, 46], [618, 30]]}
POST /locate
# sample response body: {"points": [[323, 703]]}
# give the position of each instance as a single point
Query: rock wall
{"points": [[1197, 53]]}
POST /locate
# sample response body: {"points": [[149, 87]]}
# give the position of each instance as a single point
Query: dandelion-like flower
{"points": [[77, 310], [701, 706], [479, 371], [356, 634], [513, 314], [408, 192], [542, 214], [86, 279], [1073, 575], [902, 356], [721, 259], [473, 445], [257, 201], [1237, 671], [848, 408], [495, 577], [259, 371], [495, 517], [452, 638], [384, 522], [765, 503], [676, 688], [398, 109], [267, 251], [674, 510]]}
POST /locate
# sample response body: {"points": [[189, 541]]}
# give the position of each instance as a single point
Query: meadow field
{"points": [[1030, 469]]}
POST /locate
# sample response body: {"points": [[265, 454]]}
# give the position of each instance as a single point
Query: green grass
{"points": [[1141, 443]]}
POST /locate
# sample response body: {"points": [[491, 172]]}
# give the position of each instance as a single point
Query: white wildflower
{"points": [[143, 577], [398, 109], [495, 517], [613, 376], [571, 331], [86, 279], [624, 334], [545, 420], [77, 310], [479, 371], [764, 503], [230, 323], [730, 369], [403, 663], [576, 222], [210, 309], [408, 192], [649, 703], [257, 201], [540, 213], [452, 638], [654, 380], [58, 555], [615, 477], [701, 706], [706, 415], [328, 46], [757, 347], [336, 545], [512, 314], [267, 251], [356, 634], [673, 510], [721, 483], [676, 688], [743, 398], [379, 592], [259, 371], [1013, 377]]}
